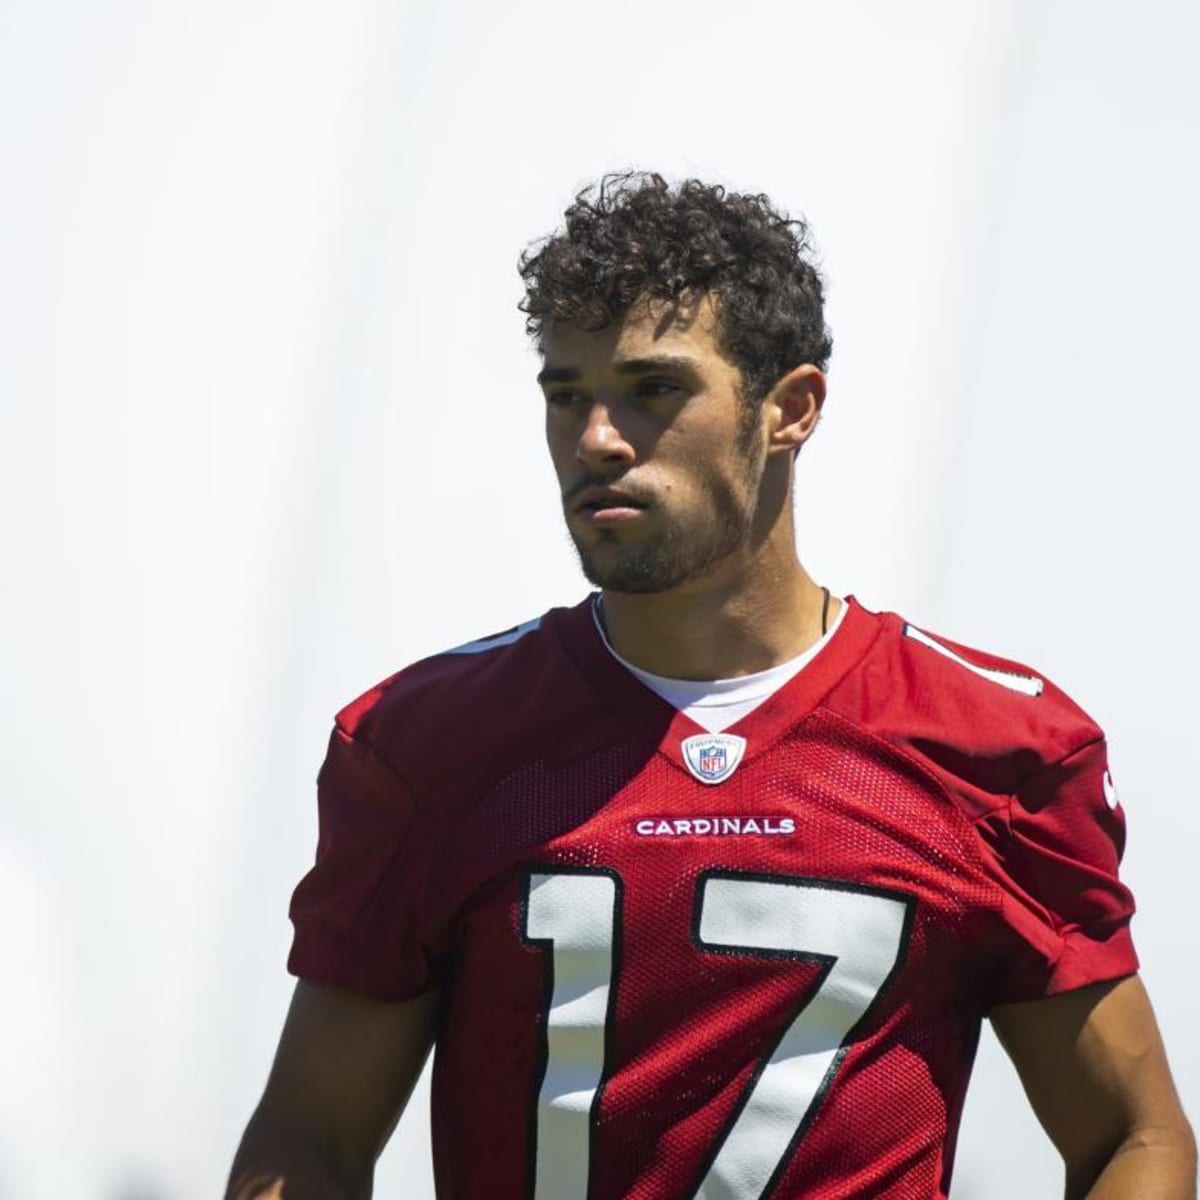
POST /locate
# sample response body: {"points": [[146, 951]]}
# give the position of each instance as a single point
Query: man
{"points": [[704, 886]]}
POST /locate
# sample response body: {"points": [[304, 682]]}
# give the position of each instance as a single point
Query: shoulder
{"points": [[467, 672], [1027, 767], [989, 721], [471, 704]]}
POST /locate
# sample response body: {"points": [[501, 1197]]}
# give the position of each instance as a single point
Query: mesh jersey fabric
{"points": [[655, 987]]}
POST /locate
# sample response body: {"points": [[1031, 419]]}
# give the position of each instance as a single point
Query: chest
{"points": [[695, 969]]}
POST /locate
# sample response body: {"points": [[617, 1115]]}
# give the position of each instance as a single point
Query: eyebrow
{"points": [[631, 366]]}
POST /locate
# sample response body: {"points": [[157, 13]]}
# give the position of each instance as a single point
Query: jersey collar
{"points": [[652, 718]]}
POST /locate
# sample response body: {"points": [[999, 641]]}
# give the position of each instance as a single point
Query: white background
{"points": [[270, 431]]}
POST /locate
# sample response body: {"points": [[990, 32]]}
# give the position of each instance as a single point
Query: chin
{"points": [[642, 574]]}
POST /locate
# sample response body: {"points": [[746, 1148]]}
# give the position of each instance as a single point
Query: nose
{"points": [[601, 441]]}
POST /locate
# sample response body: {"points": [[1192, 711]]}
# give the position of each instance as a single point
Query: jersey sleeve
{"points": [[359, 913], [1059, 847]]}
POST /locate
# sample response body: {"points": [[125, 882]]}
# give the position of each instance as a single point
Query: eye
{"points": [[656, 386], [563, 398]]}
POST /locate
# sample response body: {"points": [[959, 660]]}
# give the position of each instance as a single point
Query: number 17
{"points": [[576, 914]]}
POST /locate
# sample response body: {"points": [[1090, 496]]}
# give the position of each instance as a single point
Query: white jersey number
{"points": [[860, 933], [576, 914]]}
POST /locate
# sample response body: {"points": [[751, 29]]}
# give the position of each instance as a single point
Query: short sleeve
{"points": [[359, 913], [1064, 904]]}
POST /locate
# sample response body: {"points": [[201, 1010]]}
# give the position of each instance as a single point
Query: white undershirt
{"points": [[715, 704]]}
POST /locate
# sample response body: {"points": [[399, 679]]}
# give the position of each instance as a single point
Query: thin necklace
{"points": [[824, 612]]}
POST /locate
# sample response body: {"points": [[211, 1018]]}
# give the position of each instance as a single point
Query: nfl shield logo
{"points": [[713, 757], [712, 760]]}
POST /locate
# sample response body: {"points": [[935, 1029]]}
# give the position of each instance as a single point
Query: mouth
{"points": [[607, 505]]}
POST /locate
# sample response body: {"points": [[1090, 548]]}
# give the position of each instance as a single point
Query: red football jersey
{"points": [[678, 964]]}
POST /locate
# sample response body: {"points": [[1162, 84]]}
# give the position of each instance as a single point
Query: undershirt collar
{"points": [[715, 704]]}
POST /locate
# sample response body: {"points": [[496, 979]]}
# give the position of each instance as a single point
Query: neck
{"points": [[747, 617]]}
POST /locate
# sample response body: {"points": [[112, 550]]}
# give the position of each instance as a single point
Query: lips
{"points": [[602, 499]]}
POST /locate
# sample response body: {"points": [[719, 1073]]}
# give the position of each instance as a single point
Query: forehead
{"points": [[650, 329]]}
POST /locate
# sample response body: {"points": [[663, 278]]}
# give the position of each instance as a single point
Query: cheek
{"points": [[561, 447], [702, 466], [715, 489]]}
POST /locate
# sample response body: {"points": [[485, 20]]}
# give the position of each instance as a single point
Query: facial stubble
{"points": [[688, 547]]}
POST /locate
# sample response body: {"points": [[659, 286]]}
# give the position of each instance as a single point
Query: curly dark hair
{"points": [[632, 236]]}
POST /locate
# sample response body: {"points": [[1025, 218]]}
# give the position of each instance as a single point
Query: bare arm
{"points": [[1093, 1066], [342, 1075]]}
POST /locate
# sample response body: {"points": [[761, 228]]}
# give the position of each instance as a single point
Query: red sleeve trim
{"points": [[326, 956], [1085, 960]]}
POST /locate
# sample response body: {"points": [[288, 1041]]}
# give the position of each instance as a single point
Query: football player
{"points": [[703, 887]]}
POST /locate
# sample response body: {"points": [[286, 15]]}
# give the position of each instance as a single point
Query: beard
{"points": [[688, 548]]}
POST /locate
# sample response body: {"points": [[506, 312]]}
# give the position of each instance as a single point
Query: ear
{"points": [[793, 408]]}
